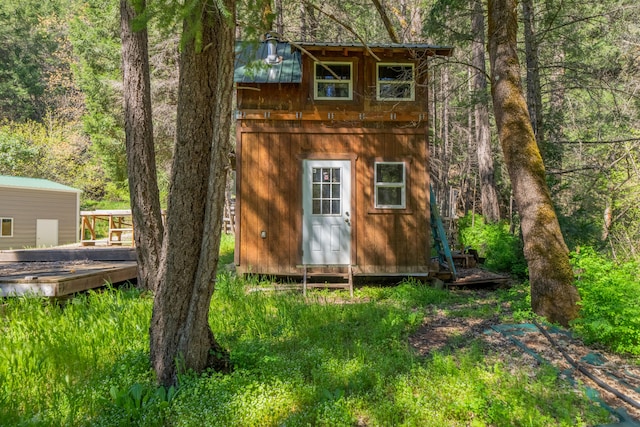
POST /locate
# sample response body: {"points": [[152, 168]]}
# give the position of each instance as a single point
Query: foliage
{"points": [[298, 361], [52, 150], [60, 360], [610, 312], [502, 250]]}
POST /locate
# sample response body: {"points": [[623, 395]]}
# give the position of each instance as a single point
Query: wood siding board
{"points": [[381, 243]]}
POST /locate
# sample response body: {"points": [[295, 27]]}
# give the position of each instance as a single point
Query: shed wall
{"points": [[26, 206], [269, 190]]}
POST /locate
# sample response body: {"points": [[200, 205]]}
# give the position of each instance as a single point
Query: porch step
{"points": [[347, 276]]}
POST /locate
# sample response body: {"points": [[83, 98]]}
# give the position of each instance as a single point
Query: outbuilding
{"points": [[332, 158], [37, 213]]}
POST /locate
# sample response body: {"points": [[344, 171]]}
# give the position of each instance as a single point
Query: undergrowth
{"points": [[323, 360], [610, 305], [502, 250]]}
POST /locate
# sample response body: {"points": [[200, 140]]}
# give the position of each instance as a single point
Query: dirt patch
{"points": [[526, 346]]}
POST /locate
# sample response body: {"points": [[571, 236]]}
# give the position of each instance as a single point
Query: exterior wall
{"points": [[26, 206], [269, 194], [299, 97]]}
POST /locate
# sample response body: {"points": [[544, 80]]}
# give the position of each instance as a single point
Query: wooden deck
{"points": [[63, 271]]}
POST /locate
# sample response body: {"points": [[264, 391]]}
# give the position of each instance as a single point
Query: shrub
{"points": [[610, 311], [502, 250]]}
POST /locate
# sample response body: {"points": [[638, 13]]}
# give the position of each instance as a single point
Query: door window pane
{"points": [[326, 191]]}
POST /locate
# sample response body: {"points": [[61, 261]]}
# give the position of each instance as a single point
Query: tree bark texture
{"points": [[180, 336], [141, 162], [534, 93], [393, 35], [553, 294], [488, 192]]}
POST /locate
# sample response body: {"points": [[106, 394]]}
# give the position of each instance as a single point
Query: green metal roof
{"points": [[34, 184], [435, 49], [251, 67]]}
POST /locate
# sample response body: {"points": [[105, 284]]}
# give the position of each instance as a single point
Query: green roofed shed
{"points": [[37, 212]]}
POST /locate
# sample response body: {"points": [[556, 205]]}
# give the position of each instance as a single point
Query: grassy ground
{"points": [[325, 360]]}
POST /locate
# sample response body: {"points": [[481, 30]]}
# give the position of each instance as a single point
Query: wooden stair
{"points": [[341, 274]]}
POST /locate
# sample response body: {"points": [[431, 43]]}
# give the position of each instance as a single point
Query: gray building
{"points": [[37, 213]]}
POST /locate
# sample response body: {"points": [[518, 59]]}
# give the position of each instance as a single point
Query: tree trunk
{"points": [[391, 32], [553, 294], [488, 192], [534, 94], [141, 161], [180, 336]]}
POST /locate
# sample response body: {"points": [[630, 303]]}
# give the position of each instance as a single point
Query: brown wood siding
{"points": [[26, 206], [300, 97], [270, 197]]}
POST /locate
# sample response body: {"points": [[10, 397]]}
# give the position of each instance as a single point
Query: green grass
{"points": [[298, 362]]}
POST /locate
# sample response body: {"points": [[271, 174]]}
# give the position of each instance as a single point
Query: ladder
{"points": [[440, 235]]}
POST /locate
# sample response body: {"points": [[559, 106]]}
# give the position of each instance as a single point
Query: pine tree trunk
{"points": [[553, 294], [534, 94], [488, 192], [141, 162], [180, 334]]}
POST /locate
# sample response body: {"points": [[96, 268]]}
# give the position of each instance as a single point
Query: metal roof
{"points": [[420, 46], [251, 67], [35, 184]]}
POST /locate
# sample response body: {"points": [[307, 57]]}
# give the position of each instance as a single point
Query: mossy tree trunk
{"points": [[553, 294], [141, 162], [180, 335]]}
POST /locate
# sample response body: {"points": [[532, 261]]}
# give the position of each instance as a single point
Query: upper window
{"points": [[333, 80], [6, 227], [390, 185], [395, 82]]}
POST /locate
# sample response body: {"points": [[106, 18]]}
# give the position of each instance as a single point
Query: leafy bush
{"points": [[610, 292], [502, 250]]}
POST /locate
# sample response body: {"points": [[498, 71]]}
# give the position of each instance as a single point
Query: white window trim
{"points": [[402, 185], [317, 80], [1, 221], [411, 82]]}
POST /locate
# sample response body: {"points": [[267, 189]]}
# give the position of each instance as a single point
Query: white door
{"points": [[326, 198], [46, 232]]}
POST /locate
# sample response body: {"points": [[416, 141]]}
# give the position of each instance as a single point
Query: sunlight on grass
{"points": [[298, 361]]}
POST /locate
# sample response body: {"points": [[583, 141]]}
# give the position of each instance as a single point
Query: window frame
{"points": [[2, 235], [412, 82], [316, 81], [403, 185]]}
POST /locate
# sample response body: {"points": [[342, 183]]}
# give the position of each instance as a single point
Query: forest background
{"points": [[61, 118], [61, 108]]}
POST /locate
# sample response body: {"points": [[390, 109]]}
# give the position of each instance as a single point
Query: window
{"points": [[390, 185], [326, 191], [327, 86], [395, 82], [6, 227]]}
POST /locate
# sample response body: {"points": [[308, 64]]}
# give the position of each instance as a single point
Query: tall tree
{"points": [[141, 158], [180, 335], [488, 192], [553, 293]]}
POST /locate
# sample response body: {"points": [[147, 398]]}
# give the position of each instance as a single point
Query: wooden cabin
{"points": [[332, 158]]}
